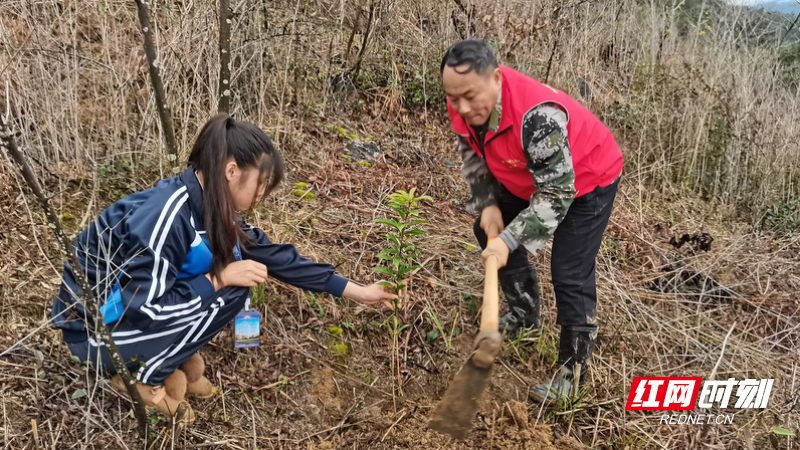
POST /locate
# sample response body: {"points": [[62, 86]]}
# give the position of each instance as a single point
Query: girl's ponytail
{"points": [[209, 156]]}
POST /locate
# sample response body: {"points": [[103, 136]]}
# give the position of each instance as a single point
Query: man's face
{"points": [[472, 95]]}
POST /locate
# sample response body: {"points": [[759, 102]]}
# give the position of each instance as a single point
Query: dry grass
{"points": [[677, 329], [691, 106], [78, 87]]}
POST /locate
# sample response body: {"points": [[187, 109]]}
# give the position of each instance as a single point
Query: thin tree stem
{"points": [[87, 297], [164, 113], [555, 44], [352, 34], [224, 56], [363, 50]]}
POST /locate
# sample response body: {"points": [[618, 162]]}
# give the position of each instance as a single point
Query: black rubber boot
{"points": [[575, 349], [521, 288]]}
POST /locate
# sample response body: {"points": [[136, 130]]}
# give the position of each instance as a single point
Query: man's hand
{"points": [[492, 221], [498, 249]]}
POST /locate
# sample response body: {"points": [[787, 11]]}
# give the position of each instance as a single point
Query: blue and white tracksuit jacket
{"points": [[146, 257]]}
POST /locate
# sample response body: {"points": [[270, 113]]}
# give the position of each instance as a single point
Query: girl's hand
{"points": [[246, 273], [371, 295]]}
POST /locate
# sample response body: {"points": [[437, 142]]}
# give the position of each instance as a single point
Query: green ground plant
{"points": [[400, 256], [402, 251], [438, 331]]}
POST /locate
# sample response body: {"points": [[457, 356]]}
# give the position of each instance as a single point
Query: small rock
{"points": [[363, 151], [367, 413], [584, 89], [448, 163]]}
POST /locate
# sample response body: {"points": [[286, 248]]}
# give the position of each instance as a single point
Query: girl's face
{"points": [[244, 185]]}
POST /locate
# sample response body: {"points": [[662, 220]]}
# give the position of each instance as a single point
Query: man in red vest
{"points": [[539, 164]]}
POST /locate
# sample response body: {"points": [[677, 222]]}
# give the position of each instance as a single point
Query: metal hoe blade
{"points": [[453, 416]]}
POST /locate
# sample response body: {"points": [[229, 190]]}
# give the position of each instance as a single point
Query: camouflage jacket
{"points": [[544, 138]]}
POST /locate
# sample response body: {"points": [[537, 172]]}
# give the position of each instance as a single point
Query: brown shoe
{"points": [[159, 397], [197, 384]]}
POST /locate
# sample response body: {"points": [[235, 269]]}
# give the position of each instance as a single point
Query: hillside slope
{"points": [[709, 127]]}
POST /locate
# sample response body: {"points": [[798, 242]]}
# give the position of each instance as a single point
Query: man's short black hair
{"points": [[477, 53]]}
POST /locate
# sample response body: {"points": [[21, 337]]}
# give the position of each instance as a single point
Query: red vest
{"points": [[596, 158]]}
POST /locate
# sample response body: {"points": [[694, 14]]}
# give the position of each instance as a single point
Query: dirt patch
{"points": [[324, 445], [323, 389], [514, 431]]}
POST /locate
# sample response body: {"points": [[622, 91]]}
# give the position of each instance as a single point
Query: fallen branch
{"points": [[721, 352], [329, 429], [395, 423], [278, 383], [212, 444]]}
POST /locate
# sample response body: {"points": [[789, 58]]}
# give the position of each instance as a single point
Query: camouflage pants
{"points": [[575, 246]]}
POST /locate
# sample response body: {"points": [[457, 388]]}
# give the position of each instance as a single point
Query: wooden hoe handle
{"points": [[491, 308]]}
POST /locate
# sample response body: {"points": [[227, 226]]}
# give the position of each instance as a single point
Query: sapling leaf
{"points": [[405, 270], [384, 254], [782, 431], [80, 393], [391, 222], [432, 335]]}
